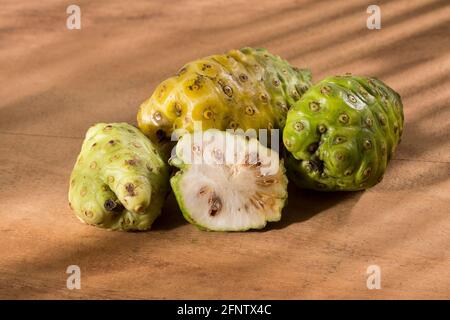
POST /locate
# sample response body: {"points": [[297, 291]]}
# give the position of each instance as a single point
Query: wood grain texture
{"points": [[55, 83]]}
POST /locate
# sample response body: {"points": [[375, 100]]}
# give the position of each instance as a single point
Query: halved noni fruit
{"points": [[228, 182]]}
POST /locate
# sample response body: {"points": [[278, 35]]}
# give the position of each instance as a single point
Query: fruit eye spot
{"points": [[295, 95], [130, 188], [93, 165], [314, 106], [369, 122], [249, 110], [363, 92], [233, 125], [340, 183], [177, 108], [276, 82], [367, 172], [325, 90], [344, 118], [339, 140], [348, 172], [282, 106], [382, 119], [131, 162], [352, 98], [299, 126], [149, 167], [243, 77], [301, 89], [264, 97], [181, 71], [207, 114], [367, 144], [228, 91], [161, 91], [322, 128], [339, 156], [157, 116], [206, 66]]}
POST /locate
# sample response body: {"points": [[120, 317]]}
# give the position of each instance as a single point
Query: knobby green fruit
{"points": [[226, 182], [342, 133], [120, 179], [245, 89]]}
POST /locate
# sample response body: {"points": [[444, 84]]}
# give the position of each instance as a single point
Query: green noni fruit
{"points": [[120, 179], [342, 133]]}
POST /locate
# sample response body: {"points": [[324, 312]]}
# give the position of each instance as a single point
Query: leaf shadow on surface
{"points": [[349, 37]]}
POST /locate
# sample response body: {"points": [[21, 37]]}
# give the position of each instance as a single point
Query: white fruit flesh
{"points": [[230, 195]]}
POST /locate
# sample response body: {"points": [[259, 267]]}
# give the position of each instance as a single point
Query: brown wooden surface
{"points": [[55, 83]]}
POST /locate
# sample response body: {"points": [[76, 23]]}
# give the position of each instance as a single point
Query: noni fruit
{"points": [[245, 89], [120, 179], [227, 182], [342, 133]]}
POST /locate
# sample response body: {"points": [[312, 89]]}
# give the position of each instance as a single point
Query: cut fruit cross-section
{"points": [[228, 182]]}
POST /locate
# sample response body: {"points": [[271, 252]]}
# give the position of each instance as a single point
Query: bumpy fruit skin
{"points": [[216, 194], [342, 133], [245, 89], [119, 180]]}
